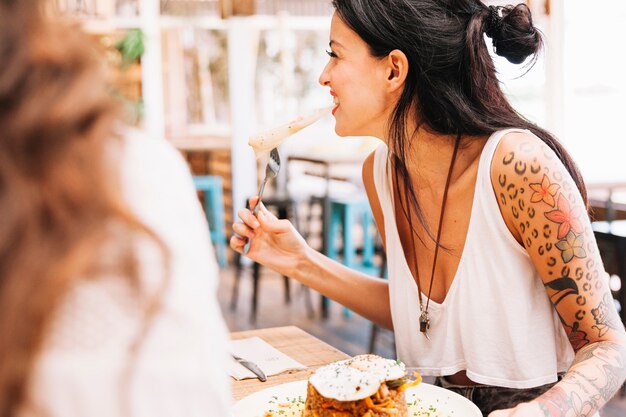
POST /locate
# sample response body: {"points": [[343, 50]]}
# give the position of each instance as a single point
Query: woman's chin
{"points": [[343, 131]]}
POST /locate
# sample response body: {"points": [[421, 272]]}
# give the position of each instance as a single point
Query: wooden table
{"points": [[293, 342]]}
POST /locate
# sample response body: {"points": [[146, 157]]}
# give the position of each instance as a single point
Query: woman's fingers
{"points": [[265, 225], [237, 243], [271, 223], [248, 218], [252, 201], [243, 231]]}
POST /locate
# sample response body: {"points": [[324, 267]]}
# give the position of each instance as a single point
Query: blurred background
{"points": [[207, 74]]}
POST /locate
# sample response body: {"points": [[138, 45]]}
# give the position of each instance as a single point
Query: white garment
{"points": [[180, 369], [496, 321]]}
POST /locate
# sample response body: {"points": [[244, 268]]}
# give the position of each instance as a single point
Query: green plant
{"points": [[131, 47]]}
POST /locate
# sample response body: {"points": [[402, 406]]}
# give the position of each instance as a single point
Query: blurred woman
{"points": [[107, 279], [496, 286]]}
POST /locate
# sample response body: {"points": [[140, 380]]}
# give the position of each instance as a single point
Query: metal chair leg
{"points": [[235, 292], [256, 275], [373, 337], [287, 290]]}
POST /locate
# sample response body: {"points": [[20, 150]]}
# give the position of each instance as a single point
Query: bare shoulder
{"points": [[368, 179], [526, 169], [525, 153], [530, 181], [368, 168], [372, 194]]}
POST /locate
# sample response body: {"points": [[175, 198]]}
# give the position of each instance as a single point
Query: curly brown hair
{"points": [[59, 192]]}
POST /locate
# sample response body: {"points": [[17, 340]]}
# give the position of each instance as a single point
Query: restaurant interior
{"points": [[206, 75]]}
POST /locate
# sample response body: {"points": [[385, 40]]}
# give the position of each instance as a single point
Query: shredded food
{"points": [[387, 401]]}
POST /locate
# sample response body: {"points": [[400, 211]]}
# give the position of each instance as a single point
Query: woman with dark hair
{"points": [[107, 286], [496, 286]]}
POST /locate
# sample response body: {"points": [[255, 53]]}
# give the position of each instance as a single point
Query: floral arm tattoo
{"points": [[544, 209]]}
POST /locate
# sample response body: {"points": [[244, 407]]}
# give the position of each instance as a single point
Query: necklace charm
{"points": [[424, 319], [424, 324]]}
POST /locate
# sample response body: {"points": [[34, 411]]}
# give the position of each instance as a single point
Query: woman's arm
{"points": [[544, 210], [366, 295], [276, 244]]}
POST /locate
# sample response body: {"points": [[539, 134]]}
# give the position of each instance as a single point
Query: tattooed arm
{"points": [[545, 212]]}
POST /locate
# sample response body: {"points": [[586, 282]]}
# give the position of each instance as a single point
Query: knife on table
{"points": [[253, 367]]}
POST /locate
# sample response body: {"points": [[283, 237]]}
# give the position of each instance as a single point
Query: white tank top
{"points": [[496, 322]]}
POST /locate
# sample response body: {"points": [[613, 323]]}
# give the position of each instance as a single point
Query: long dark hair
{"points": [[452, 81]]}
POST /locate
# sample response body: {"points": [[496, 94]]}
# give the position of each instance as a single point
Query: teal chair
{"points": [[345, 215], [212, 188]]}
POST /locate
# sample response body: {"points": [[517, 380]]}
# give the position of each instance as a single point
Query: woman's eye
{"points": [[331, 54]]}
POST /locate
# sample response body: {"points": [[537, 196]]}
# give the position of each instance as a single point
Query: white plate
{"points": [[424, 400]]}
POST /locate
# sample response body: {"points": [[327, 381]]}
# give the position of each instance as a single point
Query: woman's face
{"points": [[357, 82]]}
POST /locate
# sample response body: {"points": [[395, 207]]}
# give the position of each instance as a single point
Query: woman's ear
{"points": [[398, 68]]}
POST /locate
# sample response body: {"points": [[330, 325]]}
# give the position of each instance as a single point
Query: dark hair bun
{"points": [[512, 31]]}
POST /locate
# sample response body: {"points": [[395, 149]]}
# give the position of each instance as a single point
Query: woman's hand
{"points": [[273, 243], [530, 409]]}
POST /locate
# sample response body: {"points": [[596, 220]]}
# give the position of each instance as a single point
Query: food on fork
{"points": [[264, 142], [364, 386]]}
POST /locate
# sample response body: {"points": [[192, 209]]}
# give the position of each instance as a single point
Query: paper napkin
{"points": [[269, 359]]}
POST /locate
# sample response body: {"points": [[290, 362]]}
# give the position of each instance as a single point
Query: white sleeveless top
{"points": [[496, 322]]}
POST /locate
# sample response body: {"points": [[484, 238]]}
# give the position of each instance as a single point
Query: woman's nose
{"points": [[324, 78]]}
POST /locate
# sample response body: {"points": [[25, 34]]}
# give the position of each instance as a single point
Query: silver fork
{"points": [[271, 170]]}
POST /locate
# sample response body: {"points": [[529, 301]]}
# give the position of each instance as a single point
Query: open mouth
{"points": [[336, 102]]}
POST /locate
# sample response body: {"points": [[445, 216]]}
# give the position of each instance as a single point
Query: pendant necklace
{"points": [[424, 319]]}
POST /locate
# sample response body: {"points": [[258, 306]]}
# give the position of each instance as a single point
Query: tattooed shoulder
{"points": [[540, 202], [538, 197], [523, 175]]}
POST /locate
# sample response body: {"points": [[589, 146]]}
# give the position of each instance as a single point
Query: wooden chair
{"points": [[285, 208], [611, 238]]}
